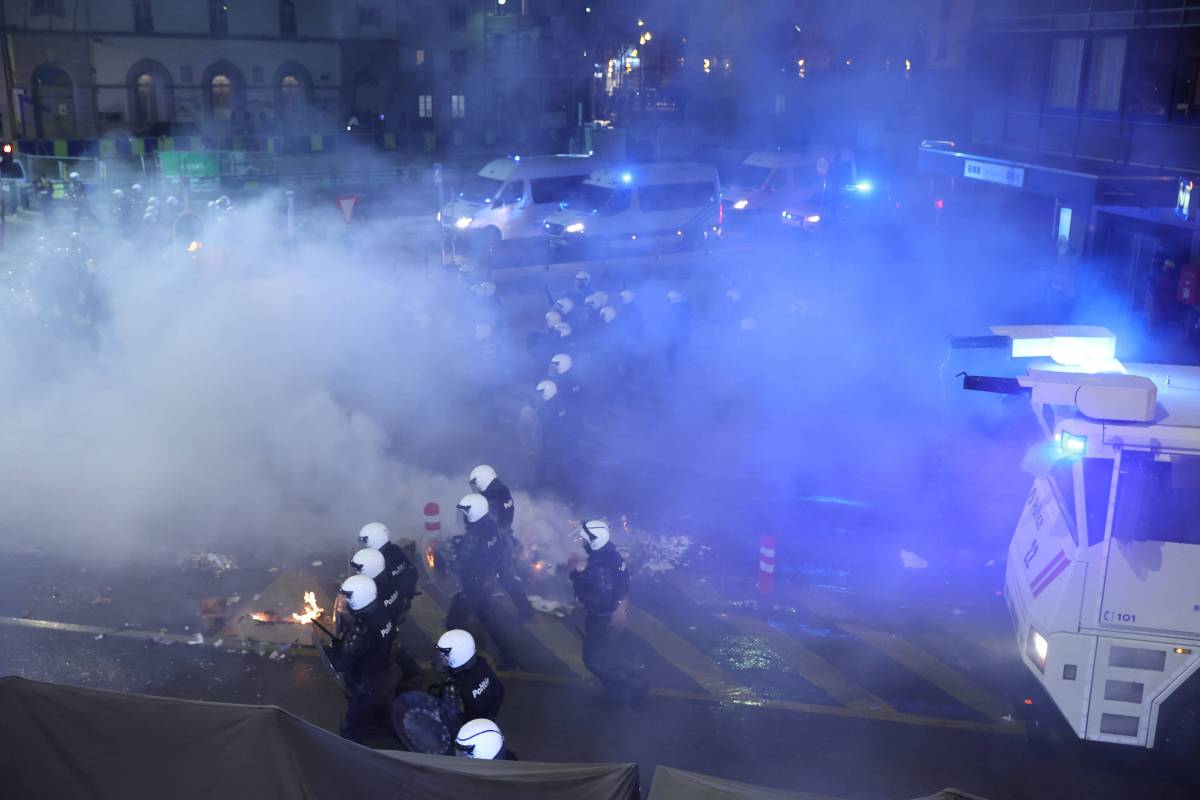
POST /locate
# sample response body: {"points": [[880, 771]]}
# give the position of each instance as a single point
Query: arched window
{"points": [[291, 95], [147, 99], [221, 97]]}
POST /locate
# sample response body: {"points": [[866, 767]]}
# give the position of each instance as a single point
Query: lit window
{"points": [[458, 106], [221, 92], [420, 57], [290, 93], [147, 99], [425, 106]]}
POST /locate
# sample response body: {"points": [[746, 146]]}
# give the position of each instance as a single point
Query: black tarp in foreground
{"points": [[676, 784], [68, 742]]}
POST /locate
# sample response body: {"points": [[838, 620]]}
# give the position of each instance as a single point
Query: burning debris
{"points": [[270, 617], [215, 564]]}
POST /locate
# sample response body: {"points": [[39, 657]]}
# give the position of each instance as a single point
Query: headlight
{"points": [[740, 205], [788, 215], [1071, 445], [1037, 648], [574, 227], [439, 216], [462, 222], [813, 219]]}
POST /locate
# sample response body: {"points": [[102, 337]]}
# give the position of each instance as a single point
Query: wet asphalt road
{"points": [[856, 678]]}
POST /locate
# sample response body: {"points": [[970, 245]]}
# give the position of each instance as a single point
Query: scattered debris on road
{"points": [[215, 564]]}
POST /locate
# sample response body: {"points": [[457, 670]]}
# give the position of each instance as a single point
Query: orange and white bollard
{"points": [[433, 520], [766, 564]]}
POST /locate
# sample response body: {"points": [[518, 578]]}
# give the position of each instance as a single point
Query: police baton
{"points": [[325, 631]]}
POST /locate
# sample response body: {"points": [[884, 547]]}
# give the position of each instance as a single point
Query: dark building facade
{"points": [[1084, 115]]}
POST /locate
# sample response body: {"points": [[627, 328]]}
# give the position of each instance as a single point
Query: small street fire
{"points": [[312, 611]]}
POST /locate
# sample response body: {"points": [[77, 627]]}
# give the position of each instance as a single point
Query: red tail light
{"points": [[939, 204], [720, 214]]}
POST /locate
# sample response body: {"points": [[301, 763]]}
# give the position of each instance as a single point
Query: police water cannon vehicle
{"points": [[1103, 574]]}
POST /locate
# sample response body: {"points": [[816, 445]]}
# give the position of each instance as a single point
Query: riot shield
{"points": [[326, 659], [424, 724]]}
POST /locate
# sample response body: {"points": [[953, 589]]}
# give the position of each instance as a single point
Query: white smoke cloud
{"points": [[259, 398]]}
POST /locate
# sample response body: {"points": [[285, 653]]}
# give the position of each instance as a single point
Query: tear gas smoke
{"points": [[264, 398]]}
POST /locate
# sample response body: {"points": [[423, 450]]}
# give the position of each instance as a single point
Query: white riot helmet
{"points": [[548, 389], [456, 648], [564, 305], [583, 279], [674, 297], [119, 194], [594, 533], [474, 507], [596, 300], [359, 591], [137, 187], [560, 364], [608, 313], [553, 318], [151, 200], [74, 176], [479, 738], [367, 561], [627, 296], [482, 477], [374, 535], [563, 329]]}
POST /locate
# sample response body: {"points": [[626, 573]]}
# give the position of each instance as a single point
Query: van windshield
{"points": [[589, 198], [749, 176], [478, 189], [1158, 501]]}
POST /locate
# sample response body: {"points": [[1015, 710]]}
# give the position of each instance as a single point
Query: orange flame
{"points": [[538, 566], [311, 609], [264, 616], [430, 558]]}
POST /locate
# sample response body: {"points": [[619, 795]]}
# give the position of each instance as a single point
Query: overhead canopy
{"points": [[69, 742], [676, 784]]}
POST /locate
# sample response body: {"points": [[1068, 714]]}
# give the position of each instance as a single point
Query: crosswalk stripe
{"points": [[812, 667], [559, 640], [910, 656], [683, 656]]}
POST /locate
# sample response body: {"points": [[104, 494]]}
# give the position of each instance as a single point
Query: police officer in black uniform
{"points": [[400, 571], [371, 563], [472, 678], [363, 658], [476, 554], [501, 508], [600, 587]]}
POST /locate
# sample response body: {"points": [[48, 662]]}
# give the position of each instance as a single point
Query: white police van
{"points": [[640, 205], [510, 197]]}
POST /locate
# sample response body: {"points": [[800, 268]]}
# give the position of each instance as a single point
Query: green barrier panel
{"points": [[60, 148]]}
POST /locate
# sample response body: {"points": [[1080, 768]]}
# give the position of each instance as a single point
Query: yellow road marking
{"points": [[812, 667], [566, 646], [683, 656], [949, 680]]}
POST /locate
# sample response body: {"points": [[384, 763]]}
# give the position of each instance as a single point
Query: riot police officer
{"points": [[600, 587], [363, 658], [475, 559], [393, 603], [473, 680], [401, 574], [481, 738], [501, 508]]}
